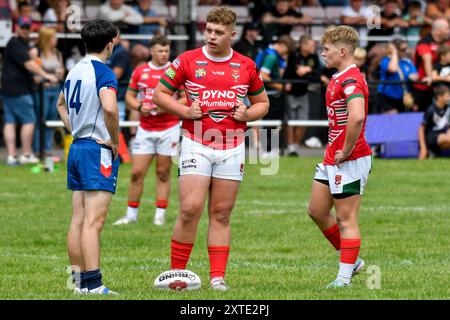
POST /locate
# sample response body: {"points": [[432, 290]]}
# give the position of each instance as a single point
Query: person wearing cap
{"points": [[17, 93], [25, 10], [249, 45]]}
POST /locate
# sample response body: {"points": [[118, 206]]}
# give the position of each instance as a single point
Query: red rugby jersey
{"points": [[219, 84], [144, 80], [344, 86]]}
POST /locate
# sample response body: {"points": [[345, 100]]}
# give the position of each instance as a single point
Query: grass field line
{"points": [[443, 209]]}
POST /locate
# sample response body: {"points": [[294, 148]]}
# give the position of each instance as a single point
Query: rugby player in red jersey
{"points": [[216, 80], [157, 136], [340, 179]]}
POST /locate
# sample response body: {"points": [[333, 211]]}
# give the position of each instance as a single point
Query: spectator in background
{"points": [[416, 20], [391, 21], [140, 48], [119, 62], [441, 69], [272, 63], [303, 64], [17, 91], [51, 61], [152, 22], [396, 66], [119, 13], [281, 18], [209, 2], [360, 56], [438, 9], [248, 45], [356, 15], [426, 56], [5, 10], [434, 132], [26, 10], [56, 14]]}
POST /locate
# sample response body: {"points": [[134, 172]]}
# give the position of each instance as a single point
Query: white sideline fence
{"points": [[260, 123]]}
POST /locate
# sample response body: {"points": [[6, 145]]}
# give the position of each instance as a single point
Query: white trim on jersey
{"points": [[154, 67], [344, 71], [210, 57]]}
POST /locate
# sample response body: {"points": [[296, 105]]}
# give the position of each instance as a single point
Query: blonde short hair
{"points": [[341, 35], [360, 53], [222, 15]]}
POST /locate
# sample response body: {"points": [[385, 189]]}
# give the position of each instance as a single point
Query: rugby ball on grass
{"points": [[178, 280]]}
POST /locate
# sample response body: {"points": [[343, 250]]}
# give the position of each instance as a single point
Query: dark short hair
{"points": [[161, 40], [23, 4], [440, 89], [415, 5], [97, 34], [288, 42]]}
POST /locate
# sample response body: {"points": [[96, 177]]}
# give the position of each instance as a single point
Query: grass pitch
{"points": [[277, 251]]}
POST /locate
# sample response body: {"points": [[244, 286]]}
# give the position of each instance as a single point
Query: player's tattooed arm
{"points": [[62, 110]]}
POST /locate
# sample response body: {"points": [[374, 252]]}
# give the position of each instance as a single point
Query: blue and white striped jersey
{"points": [[81, 90]]}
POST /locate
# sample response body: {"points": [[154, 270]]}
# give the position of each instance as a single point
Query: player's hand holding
{"points": [[195, 111], [145, 110], [114, 146], [240, 113], [340, 157]]}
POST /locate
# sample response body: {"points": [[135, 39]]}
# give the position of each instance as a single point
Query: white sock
{"points": [[160, 212], [132, 213], [292, 148], [345, 272]]}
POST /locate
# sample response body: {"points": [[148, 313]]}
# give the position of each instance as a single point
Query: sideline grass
{"points": [[277, 251]]}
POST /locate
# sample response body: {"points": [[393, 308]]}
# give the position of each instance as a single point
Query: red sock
{"points": [[334, 236], [218, 258], [163, 204], [350, 250], [133, 204], [180, 253]]}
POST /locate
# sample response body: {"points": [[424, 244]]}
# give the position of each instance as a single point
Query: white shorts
{"points": [[349, 178], [198, 159], [164, 142]]}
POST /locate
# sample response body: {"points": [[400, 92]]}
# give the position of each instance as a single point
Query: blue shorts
{"points": [[90, 166], [19, 110]]}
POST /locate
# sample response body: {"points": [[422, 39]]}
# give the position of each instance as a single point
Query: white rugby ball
{"points": [[178, 280]]}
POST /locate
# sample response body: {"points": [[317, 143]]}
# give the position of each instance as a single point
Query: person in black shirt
{"points": [[17, 93], [434, 132], [441, 69], [304, 65], [281, 18], [390, 20], [248, 45]]}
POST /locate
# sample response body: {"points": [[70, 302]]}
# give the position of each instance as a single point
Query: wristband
{"points": [[139, 108]]}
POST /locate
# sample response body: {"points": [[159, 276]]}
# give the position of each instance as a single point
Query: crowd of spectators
{"points": [[402, 60]]}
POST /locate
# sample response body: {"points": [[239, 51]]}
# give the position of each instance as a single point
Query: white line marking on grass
{"points": [[406, 209]]}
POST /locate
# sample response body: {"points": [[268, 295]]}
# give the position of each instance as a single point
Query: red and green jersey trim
{"points": [[255, 93], [132, 89], [168, 85], [358, 95]]}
